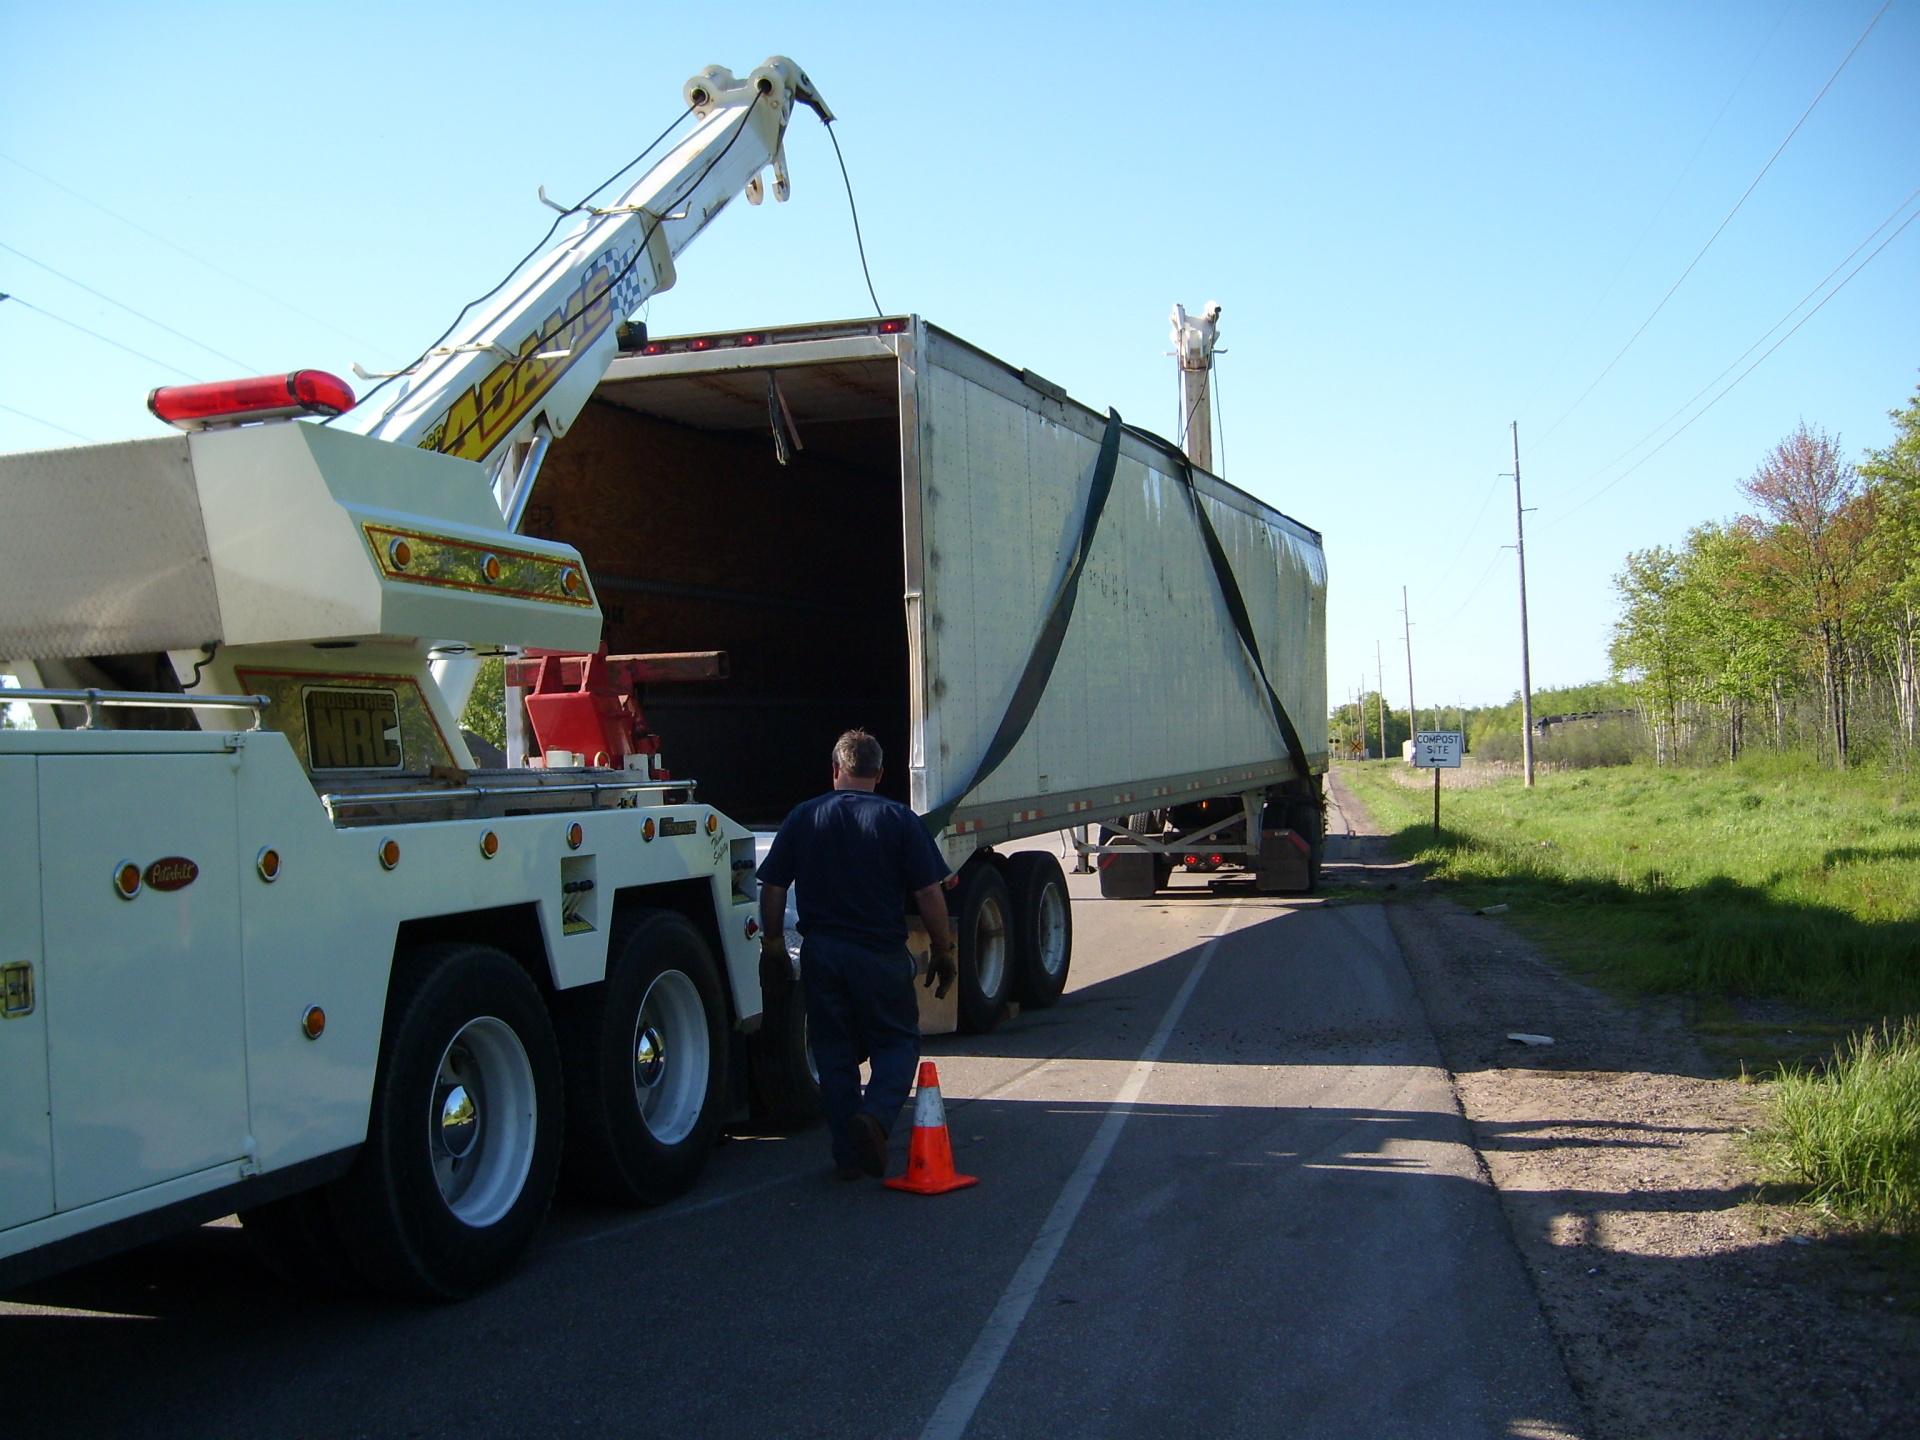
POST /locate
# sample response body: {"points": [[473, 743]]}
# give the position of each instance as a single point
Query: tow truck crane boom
{"points": [[513, 376]]}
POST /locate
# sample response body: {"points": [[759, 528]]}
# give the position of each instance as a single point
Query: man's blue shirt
{"points": [[855, 858]]}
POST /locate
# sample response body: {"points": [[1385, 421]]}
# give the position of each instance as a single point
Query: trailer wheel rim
{"points": [[1051, 932], [671, 1057], [990, 946], [481, 1121]]}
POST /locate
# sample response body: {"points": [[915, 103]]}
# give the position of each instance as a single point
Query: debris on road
{"points": [[1526, 1039]]}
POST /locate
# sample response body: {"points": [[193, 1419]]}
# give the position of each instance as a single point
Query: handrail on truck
{"points": [[95, 700]]}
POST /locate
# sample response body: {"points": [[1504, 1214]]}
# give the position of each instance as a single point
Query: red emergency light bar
{"points": [[260, 397]]}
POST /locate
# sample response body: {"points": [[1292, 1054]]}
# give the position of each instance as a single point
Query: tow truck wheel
{"points": [[784, 1074], [986, 946], [463, 1137], [1042, 927], [645, 1052]]}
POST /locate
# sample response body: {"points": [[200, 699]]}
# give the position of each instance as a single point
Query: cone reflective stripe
{"points": [[930, 1159]]}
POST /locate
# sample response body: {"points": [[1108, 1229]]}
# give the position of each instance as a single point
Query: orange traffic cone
{"points": [[930, 1160]]}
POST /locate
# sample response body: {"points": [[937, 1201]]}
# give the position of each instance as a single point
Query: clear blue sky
{"points": [[1423, 222]]}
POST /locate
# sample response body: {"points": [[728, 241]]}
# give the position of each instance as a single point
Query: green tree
{"points": [[1893, 480], [1649, 647]]}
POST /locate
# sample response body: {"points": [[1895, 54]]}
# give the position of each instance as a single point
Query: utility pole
{"points": [[1193, 338], [1406, 618], [1380, 695], [1526, 658]]}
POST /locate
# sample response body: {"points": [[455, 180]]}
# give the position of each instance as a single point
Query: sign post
{"points": [[1438, 750]]}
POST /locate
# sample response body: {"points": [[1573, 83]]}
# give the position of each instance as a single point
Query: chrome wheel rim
{"points": [[671, 1057], [990, 946], [481, 1121], [1051, 939]]}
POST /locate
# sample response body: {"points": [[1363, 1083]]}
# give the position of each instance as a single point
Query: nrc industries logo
{"points": [[485, 414], [353, 729]]}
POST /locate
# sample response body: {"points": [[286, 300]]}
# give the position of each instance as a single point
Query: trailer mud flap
{"points": [[1053, 632]]}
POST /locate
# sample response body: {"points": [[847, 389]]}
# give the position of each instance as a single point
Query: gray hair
{"points": [[857, 754]]}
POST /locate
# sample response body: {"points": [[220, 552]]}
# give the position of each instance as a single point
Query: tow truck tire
{"points": [[784, 1075], [463, 1136], [986, 938], [1042, 927], [645, 1052]]}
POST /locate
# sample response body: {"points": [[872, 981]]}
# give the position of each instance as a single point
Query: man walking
{"points": [[856, 857]]}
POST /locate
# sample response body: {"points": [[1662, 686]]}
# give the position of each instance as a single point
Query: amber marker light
{"points": [[570, 581], [267, 862], [576, 837], [646, 830], [490, 568], [713, 824], [126, 879], [313, 1023], [489, 844], [399, 552], [389, 853]]}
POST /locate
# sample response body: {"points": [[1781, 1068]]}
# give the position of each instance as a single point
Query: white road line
{"points": [[955, 1411]]}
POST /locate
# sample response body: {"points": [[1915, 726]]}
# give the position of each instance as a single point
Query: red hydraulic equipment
{"points": [[589, 706]]}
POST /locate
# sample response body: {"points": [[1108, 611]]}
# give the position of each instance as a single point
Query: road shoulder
{"points": [[1684, 1305]]}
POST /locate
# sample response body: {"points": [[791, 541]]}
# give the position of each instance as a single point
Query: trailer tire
{"points": [[441, 1209], [645, 1052], [296, 1239], [784, 1074], [986, 946], [1042, 927]]}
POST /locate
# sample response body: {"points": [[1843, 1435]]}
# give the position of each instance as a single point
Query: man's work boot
{"points": [[870, 1144]]}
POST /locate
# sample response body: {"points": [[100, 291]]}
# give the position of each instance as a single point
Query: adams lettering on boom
{"points": [[481, 414]]}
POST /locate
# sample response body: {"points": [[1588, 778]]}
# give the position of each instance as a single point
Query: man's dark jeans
{"points": [[860, 1006]]}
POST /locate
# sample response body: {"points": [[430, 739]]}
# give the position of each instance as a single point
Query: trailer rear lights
{"points": [[399, 552], [490, 569], [1193, 859], [260, 397], [1215, 859], [576, 837], [313, 1022], [656, 348], [389, 854], [267, 862], [489, 844], [126, 879], [893, 327], [747, 340], [700, 342]]}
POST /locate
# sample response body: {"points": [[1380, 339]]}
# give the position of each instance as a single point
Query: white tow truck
{"points": [[272, 943]]}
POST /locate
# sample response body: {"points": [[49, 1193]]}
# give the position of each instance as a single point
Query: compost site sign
{"points": [[1438, 749]]}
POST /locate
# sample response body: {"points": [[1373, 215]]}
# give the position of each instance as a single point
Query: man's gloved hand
{"points": [[941, 968], [776, 968]]}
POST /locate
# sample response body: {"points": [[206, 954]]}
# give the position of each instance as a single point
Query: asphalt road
{"points": [[1224, 1191]]}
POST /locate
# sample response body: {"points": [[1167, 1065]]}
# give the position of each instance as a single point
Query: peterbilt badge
{"points": [[172, 872]]}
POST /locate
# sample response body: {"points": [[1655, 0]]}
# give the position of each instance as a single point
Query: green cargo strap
{"points": [[1053, 633]]}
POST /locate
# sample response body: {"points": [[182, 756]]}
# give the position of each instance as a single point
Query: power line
{"points": [[244, 365], [103, 339], [1743, 374], [197, 259], [1719, 228], [48, 423], [1659, 209], [1477, 587], [859, 244]]}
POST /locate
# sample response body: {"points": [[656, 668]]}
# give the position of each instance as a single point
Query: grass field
{"points": [[1771, 878]]}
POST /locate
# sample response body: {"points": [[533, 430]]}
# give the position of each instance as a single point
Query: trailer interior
{"points": [[698, 537]]}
